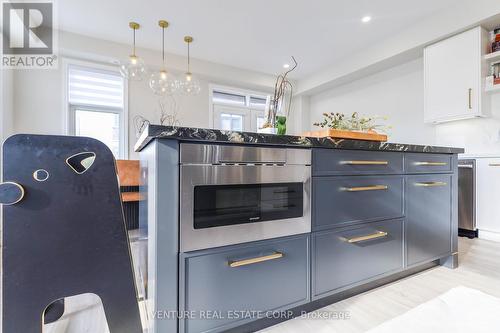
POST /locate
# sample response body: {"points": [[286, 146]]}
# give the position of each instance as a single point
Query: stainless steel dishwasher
{"points": [[467, 198]]}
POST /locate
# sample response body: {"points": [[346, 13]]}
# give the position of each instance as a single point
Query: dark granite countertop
{"points": [[217, 136]]}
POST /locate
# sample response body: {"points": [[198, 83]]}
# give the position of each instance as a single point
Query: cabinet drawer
{"points": [[355, 162], [345, 258], [262, 276], [346, 200], [428, 163], [428, 217]]}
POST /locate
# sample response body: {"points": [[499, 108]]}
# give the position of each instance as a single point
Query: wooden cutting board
{"points": [[351, 135]]}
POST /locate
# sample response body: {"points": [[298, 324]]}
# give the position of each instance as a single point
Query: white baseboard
{"points": [[489, 235]]}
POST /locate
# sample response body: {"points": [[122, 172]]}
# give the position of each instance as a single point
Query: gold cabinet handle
{"points": [[431, 163], [431, 184], [365, 188], [365, 162], [256, 260], [470, 98], [375, 235]]}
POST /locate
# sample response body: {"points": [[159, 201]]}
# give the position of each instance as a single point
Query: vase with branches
{"points": [[279, 104]]}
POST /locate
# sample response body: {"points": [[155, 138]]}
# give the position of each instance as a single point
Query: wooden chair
{"points": [[129, 175]]}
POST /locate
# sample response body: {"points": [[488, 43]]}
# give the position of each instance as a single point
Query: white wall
{"points": [[6, 107], [38, 94], [396, 93]]}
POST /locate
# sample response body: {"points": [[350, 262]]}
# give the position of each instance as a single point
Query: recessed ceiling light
{"points": [[366, 19], [286, 66]]}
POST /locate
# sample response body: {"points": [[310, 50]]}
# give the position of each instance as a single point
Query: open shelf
{"points": [[492, 56]]}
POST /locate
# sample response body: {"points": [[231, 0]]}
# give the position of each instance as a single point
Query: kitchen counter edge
{"points": [[192, 134]]}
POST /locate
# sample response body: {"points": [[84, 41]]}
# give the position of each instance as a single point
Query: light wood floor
{"points": [[479, 268]]}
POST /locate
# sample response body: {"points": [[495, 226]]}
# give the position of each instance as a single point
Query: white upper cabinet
{"points": [[454, 72]]}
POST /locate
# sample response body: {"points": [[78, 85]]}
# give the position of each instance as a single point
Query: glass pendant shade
{"points": [[189, 85], [163, 83], [134, 69]]}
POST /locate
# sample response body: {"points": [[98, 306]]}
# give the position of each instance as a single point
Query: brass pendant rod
{"points": [[188, 40], [163, 46], [188, 60], [133, 47]]}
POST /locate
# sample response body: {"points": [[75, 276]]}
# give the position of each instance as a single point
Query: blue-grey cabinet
{"points": [[428, 163], [349, 256], [331, 162], [227, 287], [428, 217], [343, 200]]}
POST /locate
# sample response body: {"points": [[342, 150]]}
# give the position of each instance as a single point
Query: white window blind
{"points": [[95, 87], [228, 98]]}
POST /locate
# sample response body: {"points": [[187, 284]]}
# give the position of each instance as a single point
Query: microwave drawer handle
{"points": [[431, 163], [375, 235], [431, 184], [255, 260], [365, 188], [365, 162]]}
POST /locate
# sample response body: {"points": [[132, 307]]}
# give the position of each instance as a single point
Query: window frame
{"points": [[69, 114], [247, 111]]}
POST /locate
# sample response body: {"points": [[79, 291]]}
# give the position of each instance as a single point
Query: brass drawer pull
{"points": [[256, 260], [431, 163], [365, 188], [494, 164], [375, 235], [431, 184], [365, 162]]}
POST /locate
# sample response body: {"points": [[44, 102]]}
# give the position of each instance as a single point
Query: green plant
{"points": [[353, 123]]}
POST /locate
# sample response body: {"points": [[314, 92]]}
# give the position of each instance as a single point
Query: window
{"points": [[96, 99], [235, 110]]}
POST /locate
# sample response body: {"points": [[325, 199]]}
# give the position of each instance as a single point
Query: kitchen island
{"points": [[246, 230]]}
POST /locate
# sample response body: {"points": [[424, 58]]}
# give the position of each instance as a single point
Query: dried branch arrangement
{"points": [[282, 88]]}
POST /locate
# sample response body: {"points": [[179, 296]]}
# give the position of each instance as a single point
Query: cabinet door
{"points": [[488, 192], [350, 256], [428, 217], [229, 286], [452, 70]]}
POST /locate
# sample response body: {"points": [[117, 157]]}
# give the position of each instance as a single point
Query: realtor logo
{"points": [[28, 34]]}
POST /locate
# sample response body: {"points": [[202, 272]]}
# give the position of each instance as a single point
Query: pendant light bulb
{"points": [[133, 69], [162, 82], [190, 85]]}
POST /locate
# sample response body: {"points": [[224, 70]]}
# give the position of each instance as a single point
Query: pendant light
{"points": [[162, 82], [189, 84], [133, 69]]}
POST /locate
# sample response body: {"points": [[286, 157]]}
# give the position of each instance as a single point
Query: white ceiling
{"points": [[258, 35]]}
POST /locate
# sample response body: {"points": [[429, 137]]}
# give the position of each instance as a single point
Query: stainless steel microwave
{"points": [[236, 194]]}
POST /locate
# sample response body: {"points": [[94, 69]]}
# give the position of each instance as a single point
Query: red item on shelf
{"points": [[496, 81]]}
